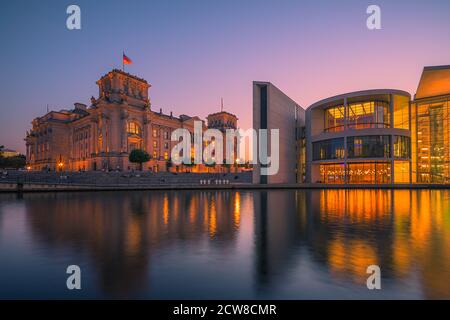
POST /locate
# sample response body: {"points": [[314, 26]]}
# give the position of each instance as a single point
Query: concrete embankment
{"points": [[46, 187]]}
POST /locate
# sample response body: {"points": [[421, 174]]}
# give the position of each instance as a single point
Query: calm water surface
{"points": [[226, 244]]}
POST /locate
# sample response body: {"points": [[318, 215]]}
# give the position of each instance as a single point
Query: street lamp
{"points": [[60, 163]]}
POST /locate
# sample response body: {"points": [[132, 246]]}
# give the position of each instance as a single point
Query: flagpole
{"points": [[123, 62]]}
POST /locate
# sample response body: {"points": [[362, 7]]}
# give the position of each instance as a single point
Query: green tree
{"points": [[15, 162], [139, 156]]}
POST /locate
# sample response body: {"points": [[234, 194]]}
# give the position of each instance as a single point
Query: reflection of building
{"points": [[120, 236], [366, 137], [101, 136]]}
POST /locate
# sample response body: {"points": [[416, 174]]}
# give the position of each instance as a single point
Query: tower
{"points": [[222, 120]]}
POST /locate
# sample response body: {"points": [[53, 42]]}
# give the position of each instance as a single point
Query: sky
{"points": [[195, 52]]}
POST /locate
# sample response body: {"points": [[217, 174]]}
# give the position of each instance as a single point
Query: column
{"points": [[345, 142]]}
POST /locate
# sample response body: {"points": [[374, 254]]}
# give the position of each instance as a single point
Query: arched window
{"points": [[134, 128]]}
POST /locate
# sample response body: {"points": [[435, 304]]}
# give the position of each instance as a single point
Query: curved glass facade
{"points": [[368, 114], [369, 172], [334, 119], [372, 114], [361, 115], [361, 138], [374, 146], [329, 149], [369, 147]]}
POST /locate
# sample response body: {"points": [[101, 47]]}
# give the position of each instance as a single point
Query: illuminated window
{"points": [[329, 149], [433, 139], [402, 147], [332, 173], [134, 128], [369, 173], [154, 155], [401, 112], [372, 114], [401, 172], [155, 144], [166, 156], [368, 147], [334, 119], [155, 133]]}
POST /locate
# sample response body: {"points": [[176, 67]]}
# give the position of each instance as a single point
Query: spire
{"points": [[221, 104]]}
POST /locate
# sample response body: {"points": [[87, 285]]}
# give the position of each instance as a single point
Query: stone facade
{"points": [[272, 109], [101, 136]]}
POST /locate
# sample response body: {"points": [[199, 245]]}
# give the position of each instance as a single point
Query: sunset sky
{"points": [[194, 52]]}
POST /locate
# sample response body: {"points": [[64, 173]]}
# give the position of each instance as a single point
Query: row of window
{"points": [[81, 135], [155, 144], [134, 128], [362, 147], [363, 115], [44, 132], [365, 173]]}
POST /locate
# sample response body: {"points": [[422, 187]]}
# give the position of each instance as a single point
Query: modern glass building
{"points": [[431, 126], [379, 137], [360, 138]]}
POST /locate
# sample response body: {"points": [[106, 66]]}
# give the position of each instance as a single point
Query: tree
{"points": [[139, 156], [15, 162]]}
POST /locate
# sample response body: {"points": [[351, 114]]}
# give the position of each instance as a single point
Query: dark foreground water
{"points": [[226, 244]]}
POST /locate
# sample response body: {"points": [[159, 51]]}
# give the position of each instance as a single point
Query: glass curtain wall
{"points": [[333, 173], [334, 119], [329, 149], [433, 138], [372, 114], [369, 173], [368, 147]]}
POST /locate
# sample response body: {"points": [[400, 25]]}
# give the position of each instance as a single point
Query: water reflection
{"points": [[228, 244]]}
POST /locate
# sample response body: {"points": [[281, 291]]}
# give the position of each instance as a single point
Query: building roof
{"points": [[222, 112], [357, 95], [435, 81], [125, 74]]}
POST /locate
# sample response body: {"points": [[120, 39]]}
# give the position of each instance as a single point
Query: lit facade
{"points": [[431, 122], [360, 138], [382, 136], [101, 136]]}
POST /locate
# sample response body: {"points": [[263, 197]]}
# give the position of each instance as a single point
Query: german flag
{"points": [[126, 60]]}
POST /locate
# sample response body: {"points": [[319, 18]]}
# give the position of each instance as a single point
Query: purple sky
{"points": [[194, 52]]}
